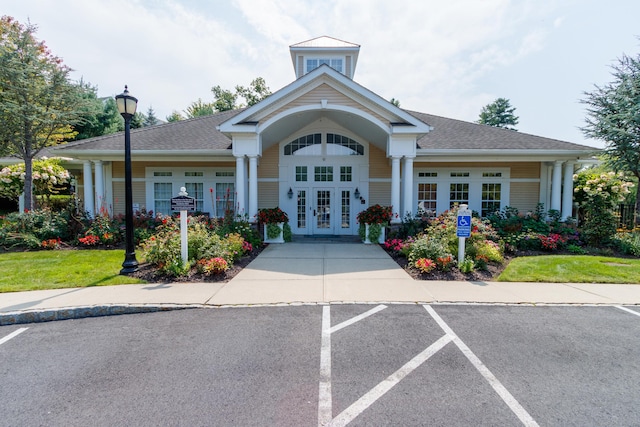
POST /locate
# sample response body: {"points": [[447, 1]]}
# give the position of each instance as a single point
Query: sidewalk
{"points": [[298, 273]]}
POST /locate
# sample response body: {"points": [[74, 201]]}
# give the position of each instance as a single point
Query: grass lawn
{"points": [[572, 269], [27, 271]]}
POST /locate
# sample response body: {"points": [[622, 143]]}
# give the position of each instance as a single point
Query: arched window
{"points": [[338, 145], [309, 145]]}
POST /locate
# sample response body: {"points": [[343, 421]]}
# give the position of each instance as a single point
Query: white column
{"points": [[567, 191], [241, 186], [407, 186], [253, 188], [556, 186], [99, 187], [395, 188], [88, 188]]}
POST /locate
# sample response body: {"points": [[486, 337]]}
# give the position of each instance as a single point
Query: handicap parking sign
{"points": [[464, 226]]}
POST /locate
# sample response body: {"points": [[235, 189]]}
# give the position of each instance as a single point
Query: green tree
{"points": [[175, 116], [499, 114], [225, 100], [613, 116], [38, 103], [395, 102], [255, 92], [199, 108], [99, 115], [150, 119]]}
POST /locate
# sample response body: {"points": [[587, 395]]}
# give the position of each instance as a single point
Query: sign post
{"points": [[463, 230], [183, 203]]}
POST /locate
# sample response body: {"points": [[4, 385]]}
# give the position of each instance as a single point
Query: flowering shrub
{"points": [[104, 229], [375, 214], [48, 178], [395, 245], [212, 266], [445, 263], [552, 242], [29, 229], [272, 216], [597, 195], [89, 240], [425, 265], [51, 244]]}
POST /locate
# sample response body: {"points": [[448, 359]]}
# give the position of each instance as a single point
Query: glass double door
{"points": [[326, 211]]}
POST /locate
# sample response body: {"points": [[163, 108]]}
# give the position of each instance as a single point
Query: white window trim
{"points": [[475, 180], [178, 179]]}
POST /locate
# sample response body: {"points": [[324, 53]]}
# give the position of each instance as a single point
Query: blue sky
{"points": [[448, 58]]}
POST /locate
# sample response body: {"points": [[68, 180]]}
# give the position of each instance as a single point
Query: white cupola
{"points": [[338, 54]]}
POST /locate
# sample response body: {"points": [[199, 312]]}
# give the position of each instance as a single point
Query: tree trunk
{"points": [[28, 185], [637, 213]]}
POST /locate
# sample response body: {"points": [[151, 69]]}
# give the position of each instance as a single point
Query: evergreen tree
{"points": [[499, 114], [150, 119]]}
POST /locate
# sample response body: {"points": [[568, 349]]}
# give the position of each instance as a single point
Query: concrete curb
{"points": [[66, 313]]}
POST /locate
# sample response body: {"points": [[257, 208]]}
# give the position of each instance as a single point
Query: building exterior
{"points": [[324, 148]]}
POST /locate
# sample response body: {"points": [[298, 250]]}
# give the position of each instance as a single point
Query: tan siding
{"points": [[526, 170], [267, 195], [139, 196], [379, 193], [347, 66], [524, 195], [324, 91], [269, 163], [300, 66], [379, 166]]}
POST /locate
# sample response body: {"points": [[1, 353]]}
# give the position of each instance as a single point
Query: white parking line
{"points": [[627, 310], [357, 318], [378, 391], [507, 397], [325, 410], [12, 335]]}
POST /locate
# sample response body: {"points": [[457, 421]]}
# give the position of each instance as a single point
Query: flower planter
{"points": [[366, 234], [278, 239]]}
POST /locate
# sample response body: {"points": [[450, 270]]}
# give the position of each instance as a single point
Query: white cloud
{"points": [[448, 58]]}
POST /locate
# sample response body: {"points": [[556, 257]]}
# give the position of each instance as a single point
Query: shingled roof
{"points": [[201, 134], [451, 134]]}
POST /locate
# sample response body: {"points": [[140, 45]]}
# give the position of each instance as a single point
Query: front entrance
{"points": [[328, 211], [319, 174]]}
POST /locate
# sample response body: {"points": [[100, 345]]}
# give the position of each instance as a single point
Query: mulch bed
{"points": [[491, 273], [150, 274]]}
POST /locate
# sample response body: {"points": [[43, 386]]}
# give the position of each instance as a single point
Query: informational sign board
{"points": [[183, 203], [464, 223]]}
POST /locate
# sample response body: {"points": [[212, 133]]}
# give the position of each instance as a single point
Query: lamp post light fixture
{"points": [[127, 105]]}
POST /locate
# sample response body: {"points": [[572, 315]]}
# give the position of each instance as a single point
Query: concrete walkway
{"points": [[302, 273]]}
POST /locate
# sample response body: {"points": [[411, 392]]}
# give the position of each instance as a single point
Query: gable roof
{"points": [[325, 41]]}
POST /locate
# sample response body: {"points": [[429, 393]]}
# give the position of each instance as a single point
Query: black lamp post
{"points": [[127, 107]]}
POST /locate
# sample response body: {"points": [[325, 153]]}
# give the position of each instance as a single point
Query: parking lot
{"points": [[338, 364]]}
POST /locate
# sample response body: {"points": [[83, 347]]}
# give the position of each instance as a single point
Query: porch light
{"points": [[356, 193], [290, 193]]}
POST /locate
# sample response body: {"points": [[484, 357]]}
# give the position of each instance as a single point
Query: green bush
{"points": [[427, 247], [628, 243], [34, 225]]}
